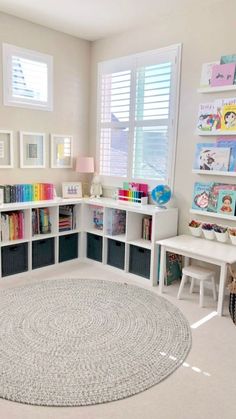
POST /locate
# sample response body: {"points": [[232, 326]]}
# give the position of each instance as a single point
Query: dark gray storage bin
{"points": [[68, 247], [139, 261], [14, 259], [94, 247], [116, 254], [43, 253]]}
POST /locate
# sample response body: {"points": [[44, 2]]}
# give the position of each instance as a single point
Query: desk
{"points": [[220, 254]]}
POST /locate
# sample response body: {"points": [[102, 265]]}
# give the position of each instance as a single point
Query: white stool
{"points": [[200, 273]]}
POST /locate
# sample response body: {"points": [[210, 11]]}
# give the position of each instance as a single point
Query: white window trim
{"points": [[7, 52], [114, 181]]}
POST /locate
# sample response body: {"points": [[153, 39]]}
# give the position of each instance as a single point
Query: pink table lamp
{"points": [[84, 165]]}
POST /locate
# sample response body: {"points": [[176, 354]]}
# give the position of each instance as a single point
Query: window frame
{"points": [[8, 51], [118, 64]]}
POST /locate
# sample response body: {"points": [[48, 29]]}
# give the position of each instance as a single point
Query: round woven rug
{"points": [[80, 342]]}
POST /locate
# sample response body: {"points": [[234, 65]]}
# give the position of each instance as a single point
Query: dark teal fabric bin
{"points": [[94, 247], [14, 259], [116, 254], [68, 247], [43, 253], [139, 261]]}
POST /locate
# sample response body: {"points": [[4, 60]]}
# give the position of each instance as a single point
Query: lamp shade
{"points": [[84, 164]]}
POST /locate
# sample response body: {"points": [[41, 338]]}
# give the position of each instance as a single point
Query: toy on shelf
{"points": [[97, 217], [134, 192], [161, 194]]}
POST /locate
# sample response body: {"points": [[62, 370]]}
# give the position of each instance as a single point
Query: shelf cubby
{"points": [[93, 219], [115, 223], [135, 229], [15, 226]]}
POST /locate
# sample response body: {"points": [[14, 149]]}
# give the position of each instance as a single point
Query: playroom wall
{"points": [[71, 97], [206, 33]]}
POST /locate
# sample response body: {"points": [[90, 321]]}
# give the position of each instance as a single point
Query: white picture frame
{"points": [[6, 149], [71, 190], [32, 150], [61, 151]]}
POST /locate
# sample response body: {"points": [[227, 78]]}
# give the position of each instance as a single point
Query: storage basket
{"points": [[232, 295]]}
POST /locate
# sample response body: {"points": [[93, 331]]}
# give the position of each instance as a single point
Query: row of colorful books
{"points": [[27, 192], [214, 197], [133, 192], [41, 223], [218, 156], [219, 115], [147, 227], [67, 217], [219, 73], [12, 226]]}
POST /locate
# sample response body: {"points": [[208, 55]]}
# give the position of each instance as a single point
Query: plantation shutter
{"points": [[137, 97]]}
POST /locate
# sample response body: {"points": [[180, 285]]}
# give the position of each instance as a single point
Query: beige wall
{"points": [[206, 33], [71, 97]]}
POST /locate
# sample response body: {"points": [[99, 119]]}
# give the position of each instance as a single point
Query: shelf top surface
{"points": [[201, 247], [103, 202]]}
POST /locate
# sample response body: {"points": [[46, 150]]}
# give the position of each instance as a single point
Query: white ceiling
{"points": [[95, 19]]}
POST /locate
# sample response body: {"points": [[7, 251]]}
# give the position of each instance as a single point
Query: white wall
{"points": [[206, 33], [71, 97]]}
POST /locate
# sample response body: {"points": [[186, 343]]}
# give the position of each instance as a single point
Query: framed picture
{"points": [[61, 151], [32, 150], [6, 149], [72, 190]]}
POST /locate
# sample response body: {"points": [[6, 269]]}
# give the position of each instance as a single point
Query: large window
{"points": [[27, 78], [137, 116]]}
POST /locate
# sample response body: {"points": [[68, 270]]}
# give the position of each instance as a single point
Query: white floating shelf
{"points": [[214, 133], [213, 214], [217, 89], [213, 172]]}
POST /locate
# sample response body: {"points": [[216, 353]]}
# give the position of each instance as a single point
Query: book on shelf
{"points": [[147, 227], [41, 223], [223, 74], [12, 226], [206, 73], [97, 217], [116, 222], [27, 192], [228, 119], [214, 194], [227, 59], [210, 157], [67, 218], [231, 143], [209, 118], [226, 202], [201, 193]]}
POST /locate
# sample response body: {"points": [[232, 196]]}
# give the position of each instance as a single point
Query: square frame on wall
{"points": [[6, 149], [61, 151], [32, 150]]}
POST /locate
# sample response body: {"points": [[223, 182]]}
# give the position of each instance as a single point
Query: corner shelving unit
{"points": [[128, 251]]}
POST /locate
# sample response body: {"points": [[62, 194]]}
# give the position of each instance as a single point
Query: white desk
{"points": [[219, 254]]}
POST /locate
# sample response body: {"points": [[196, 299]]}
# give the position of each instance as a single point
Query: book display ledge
{"points": [[43, 233]]}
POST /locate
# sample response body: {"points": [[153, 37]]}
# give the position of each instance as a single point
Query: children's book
{"points": [[226, 202], [206, 73], [225, 59], [208, 117], [228, 120], [210, 157], [214, 194], [223, 74], [226, 142], [201, 195]]}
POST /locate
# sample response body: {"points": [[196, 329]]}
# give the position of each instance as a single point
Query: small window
{"points": [[27, 78]]}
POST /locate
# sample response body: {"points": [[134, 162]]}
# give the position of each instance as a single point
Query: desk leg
{"points": [[162, 269], [223, 277]]}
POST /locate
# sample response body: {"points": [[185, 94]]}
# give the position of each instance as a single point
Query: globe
{"points": [[161, 194]]}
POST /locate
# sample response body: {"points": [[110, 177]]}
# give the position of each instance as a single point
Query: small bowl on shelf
{"points": [[232, 235], [195, 228], [208, 231], [221, 233]]}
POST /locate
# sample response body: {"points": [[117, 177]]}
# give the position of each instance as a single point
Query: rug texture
{"points": [[80, 342]]}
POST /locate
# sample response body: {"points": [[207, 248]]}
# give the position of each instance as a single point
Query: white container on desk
{"points": [[209, 234]]}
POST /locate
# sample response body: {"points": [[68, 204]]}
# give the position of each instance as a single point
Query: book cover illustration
{"points": [[210, 157], [225, 59], [226, 202], [214, 194], [223, 74], [206, 73], [228, 120], [201, 195], [231, 143], [209, 118]]}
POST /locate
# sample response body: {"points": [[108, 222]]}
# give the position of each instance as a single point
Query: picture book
{"points": [[206, 73], [228, 119], [226, 202], [223, 74], [208, 117], [201, 195], [226, 142], [210, 157], [225, 59], [214, 193]]}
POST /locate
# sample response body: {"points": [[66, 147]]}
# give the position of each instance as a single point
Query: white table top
{"points": [[221, 252]]}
